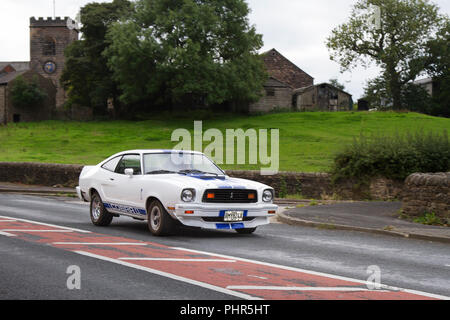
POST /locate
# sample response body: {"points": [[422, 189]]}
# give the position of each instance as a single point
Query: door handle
{"points": [[112, 179]]}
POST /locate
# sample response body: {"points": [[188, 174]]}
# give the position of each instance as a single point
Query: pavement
{"points": [[377, 217]]}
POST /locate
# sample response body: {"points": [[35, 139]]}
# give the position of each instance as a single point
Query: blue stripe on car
{"points": [[227, 226], [124, 209]]}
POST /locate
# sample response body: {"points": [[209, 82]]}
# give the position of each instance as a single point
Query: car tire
{"points": [[99, 215], [160, 223], [246, 231]]}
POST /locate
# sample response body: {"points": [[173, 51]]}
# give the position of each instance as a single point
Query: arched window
{"points": [[49, 48]]}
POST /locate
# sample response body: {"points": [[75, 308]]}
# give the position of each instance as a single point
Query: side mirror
{"points": [[129, 172]]}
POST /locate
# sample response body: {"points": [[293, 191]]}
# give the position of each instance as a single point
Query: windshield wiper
{"points": [[160, 172]]}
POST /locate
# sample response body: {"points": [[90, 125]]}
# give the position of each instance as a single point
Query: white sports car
{"points": [[166, 187]]}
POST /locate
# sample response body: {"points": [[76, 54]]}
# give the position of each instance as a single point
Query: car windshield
{"points": [[165, 163]]}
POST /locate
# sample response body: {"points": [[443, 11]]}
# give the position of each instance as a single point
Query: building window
{"points": [[49, 48], [270, 92]]}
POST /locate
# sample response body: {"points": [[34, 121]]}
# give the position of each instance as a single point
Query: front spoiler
{"points": [[258, 212]]}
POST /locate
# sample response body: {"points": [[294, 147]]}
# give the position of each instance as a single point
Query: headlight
{"points": [[267, 195], [188, 195]]}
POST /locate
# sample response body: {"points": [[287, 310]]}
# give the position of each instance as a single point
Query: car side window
{"points": [[129, 161], [111, 165]]}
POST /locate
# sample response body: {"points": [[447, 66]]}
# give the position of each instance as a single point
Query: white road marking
{"points": [[430, 295], [47, 224], [171, 276], [177, 260], [37, 230], [321, 274], [103, 243], [274, 288], [7, 220], [7, 234], [258, 277]]}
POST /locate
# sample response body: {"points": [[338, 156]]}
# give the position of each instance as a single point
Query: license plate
{"points": [[232, 216]]}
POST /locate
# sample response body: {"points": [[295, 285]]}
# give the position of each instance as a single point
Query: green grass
{"points": [[308, 141]]}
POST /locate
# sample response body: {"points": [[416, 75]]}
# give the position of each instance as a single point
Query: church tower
{"points": [[48, 40]]}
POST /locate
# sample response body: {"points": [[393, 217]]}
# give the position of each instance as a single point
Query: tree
{"points": [[439, 69], [172, 51], [27, 94], [86, 74], [393, 34], [334, 82]]}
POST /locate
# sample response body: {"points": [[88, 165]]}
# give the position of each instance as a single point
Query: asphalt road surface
{"points": [[41, 237]]}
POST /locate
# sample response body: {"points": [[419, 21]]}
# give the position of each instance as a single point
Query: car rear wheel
{"points": [[160, 223], [246, 231], [99, 215]]}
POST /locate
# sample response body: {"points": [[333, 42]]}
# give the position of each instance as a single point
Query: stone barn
{"points": [[11, 113], [276, 94], [284, 77], [322, 97]]}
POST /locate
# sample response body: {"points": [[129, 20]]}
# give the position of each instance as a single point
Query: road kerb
{"points": [[306, 223]]}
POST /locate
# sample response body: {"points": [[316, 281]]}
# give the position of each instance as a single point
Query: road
{"points": [[124, 261]]}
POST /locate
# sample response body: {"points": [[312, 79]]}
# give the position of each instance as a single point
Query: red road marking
{"points": [[242, 277]]}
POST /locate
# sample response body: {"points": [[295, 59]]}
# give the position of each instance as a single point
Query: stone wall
{"points": [[309, 185], [427, 193], [281, 98], [40, 173]]}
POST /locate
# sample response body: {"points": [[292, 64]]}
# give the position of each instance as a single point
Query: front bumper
{"points": [[80, 194], [210, 216]]}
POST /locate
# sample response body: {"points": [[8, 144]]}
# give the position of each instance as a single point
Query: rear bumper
{"points": [[210, 216]]}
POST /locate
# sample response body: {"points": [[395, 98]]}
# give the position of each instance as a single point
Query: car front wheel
{"points": [[159, 221], [99, 215]]}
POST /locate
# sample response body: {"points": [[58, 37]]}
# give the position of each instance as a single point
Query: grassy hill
{"points": [[308, 141]]}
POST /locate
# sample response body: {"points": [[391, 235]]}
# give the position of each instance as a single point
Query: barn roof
{"points": [[304, 89], [287, 71]]}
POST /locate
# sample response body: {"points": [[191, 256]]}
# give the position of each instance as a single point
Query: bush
{"points": [[27, 94], [394, 157]]}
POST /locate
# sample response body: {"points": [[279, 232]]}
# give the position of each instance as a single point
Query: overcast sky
{"points": [[296, 28]]}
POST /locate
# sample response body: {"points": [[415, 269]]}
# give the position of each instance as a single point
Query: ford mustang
{"points": [[167, 187]]}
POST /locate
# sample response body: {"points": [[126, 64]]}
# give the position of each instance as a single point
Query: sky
{"points": [[298, 29]]}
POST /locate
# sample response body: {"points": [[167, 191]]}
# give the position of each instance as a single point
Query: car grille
{"points": [[230, 196]]}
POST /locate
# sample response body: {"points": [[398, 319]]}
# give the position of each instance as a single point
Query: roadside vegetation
{"points": [[309, 142], [393, 156]]}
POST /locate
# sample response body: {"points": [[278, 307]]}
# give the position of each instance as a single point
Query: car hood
{"points": [[211, 182]]}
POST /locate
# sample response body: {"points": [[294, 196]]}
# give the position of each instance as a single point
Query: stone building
{"points": [[284, 77], [289, 87], [48, 40], [11, 113], [322, 97], [276, 95]]}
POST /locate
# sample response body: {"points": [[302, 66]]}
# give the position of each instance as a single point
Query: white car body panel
{"points": [[128, 195]]}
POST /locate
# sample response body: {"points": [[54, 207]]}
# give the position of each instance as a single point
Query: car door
{"points": [[107, 179], [126, 190]]}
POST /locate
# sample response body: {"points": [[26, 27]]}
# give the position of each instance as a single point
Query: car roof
{"points": [[159, 151], [144, 151]]}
